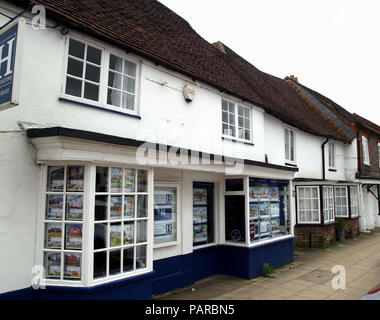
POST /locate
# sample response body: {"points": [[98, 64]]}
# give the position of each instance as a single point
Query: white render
{"points": [[166, 118]]}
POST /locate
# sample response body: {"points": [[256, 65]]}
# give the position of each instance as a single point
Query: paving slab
{"points": [[309, 277]]}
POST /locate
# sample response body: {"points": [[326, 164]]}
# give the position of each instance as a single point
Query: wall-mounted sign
{"points": [[188, 93], [9, 63]]}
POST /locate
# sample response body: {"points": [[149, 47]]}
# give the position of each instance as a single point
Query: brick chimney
{"points": [[294, 78]]}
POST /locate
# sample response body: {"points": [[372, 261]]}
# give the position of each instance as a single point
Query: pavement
{"points": [[309, 277]]}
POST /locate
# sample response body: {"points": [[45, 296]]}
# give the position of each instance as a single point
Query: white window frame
{"points": [[299, 221], [365, 148], [354, 205], [328, 204], [104, 74], [332, 155], [337, 214], [288, 146], [378, 152], [88, 220], [236, 124]]}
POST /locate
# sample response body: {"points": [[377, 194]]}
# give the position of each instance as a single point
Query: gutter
{"points": [[324, 159]]}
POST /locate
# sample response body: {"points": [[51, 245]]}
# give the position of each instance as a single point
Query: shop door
{"points": [[203, 213], [235, 218]]}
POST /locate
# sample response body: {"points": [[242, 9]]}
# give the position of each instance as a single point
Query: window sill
{"points": [[293, 164], [164, 245], [98, 107], [238, 141]]}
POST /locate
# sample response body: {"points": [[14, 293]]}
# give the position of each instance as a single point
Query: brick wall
{"points": [[321, 236], [352, 228]]}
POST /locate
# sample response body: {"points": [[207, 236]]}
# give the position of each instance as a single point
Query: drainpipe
{"points": [[323, 159]]}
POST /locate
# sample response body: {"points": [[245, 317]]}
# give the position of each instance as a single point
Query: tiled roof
{"points": [[148, 28], [368, 124]]}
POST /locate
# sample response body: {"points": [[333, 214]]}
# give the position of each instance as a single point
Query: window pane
{"points": [[75, 68], [142, 206], [54, 207], [129, 207], [73, 87], [116, 179], [73, 237], [56, 176], [225, 117], [115, 208], [128, 233], [76, 49], [74, 207], [114, 97], [140, 257], [101, 206], [128, 101], [142, 231], [142, 181], [114, 80], [52, 264], [129, 85], [75, 178], [130, 68], [100, 236], [101, 179], [129, 180], [53, 236], [234, 185], [116, 63], [92, 73], [91, 91], [115, 234], [100, 264], [128, 259], [94, 55], [114, 262], [72, 268]]}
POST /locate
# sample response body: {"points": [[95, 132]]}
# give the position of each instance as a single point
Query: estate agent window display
{"points": [[96, 224], [258, 208]]}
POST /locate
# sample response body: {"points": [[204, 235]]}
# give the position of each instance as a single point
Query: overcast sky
{"points": [[332, 46]]}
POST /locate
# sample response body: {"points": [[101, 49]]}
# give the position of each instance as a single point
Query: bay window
{"points": [[96, 224], [97, 76], [341, 202], [308, 205], [236, 120]]}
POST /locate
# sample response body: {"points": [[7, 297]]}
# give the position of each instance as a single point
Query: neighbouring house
{"points": [[173, 159]]}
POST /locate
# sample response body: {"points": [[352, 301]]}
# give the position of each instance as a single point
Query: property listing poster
{"points": [[200, 233], [115, 235], [128, 233], [56, 179], [115, 208], [116, 179], [74, 207], [54, 207], [53, 264], [53, 235], [74, 236], [75, 178], [129, 206], [129, 180], [72, 265]]}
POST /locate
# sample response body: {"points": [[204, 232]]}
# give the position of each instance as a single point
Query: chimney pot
{"points": [[294, 78]]}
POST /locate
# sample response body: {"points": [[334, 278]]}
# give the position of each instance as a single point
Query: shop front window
{"points": [[165, 215], [64, 223], [268, 210], [328, 204], [108, 219], [354, 200]]}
